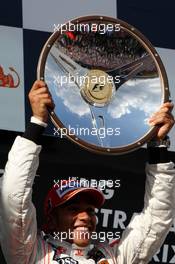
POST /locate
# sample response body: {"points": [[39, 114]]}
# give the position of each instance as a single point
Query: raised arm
{"points": [[147, 230], [18, 216]]}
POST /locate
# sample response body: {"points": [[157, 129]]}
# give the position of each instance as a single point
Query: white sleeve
{"points": [[18, 217], [147, 230]]}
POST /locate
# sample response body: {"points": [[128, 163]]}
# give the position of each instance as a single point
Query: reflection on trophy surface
{"points": [[105, 85]]}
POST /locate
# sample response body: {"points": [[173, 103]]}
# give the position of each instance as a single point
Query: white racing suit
{"points": [[22, 245]]}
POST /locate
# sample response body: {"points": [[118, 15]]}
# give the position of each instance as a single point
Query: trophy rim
{"points": [[159, 65]]}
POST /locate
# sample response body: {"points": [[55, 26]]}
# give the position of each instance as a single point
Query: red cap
{"points": [[68, 189]]}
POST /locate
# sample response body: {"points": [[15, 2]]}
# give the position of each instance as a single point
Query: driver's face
{"points": [[77, 217]]}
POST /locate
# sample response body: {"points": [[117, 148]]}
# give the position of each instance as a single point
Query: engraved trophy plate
{"points": [[106, 80]]}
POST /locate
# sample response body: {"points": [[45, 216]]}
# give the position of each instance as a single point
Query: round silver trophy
{"points": [[106, 80]]}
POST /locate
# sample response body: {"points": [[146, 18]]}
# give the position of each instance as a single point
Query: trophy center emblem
{"points": [[97, 87]]}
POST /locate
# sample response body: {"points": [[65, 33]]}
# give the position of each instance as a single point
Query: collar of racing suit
{"points": [[98, 252]]}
